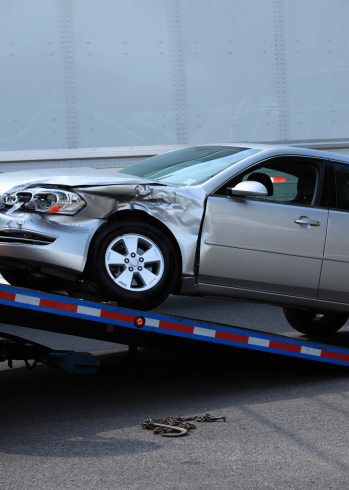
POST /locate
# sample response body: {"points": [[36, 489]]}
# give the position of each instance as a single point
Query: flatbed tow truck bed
{"points": [[101, 321]]}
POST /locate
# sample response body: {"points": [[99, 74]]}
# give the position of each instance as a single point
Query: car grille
{"points": [[23, 237]]}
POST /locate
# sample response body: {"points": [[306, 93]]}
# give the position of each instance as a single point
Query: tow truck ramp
{"points": [[63, 314]]}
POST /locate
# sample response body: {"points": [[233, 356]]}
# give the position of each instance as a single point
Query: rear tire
{"points": [[314, 323], [134, 264]]}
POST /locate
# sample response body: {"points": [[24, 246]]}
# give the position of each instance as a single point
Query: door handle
{"points": [[304, 220]]}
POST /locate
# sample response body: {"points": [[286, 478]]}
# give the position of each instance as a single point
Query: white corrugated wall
{"points": [[109, 73]]}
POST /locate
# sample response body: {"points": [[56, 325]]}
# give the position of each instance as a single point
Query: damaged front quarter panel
{"points": [[180, 210]]}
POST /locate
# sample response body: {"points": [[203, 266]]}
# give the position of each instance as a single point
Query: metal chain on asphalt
{"points": [[177, 426]]}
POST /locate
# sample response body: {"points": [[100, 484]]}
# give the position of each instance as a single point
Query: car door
{"points": [[273, 244], [334, 282]]}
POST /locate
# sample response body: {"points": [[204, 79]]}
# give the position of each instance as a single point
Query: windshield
{"points": [[189, 166]]}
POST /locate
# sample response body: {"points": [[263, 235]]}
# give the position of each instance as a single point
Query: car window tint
{"points": [[342, 187], [287, 180], [284, 185]]}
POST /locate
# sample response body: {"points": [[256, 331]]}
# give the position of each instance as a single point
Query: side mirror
{"points": [[248, 188]]}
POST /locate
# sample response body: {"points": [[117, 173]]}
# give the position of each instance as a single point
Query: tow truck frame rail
{"points": [[63, 314]]}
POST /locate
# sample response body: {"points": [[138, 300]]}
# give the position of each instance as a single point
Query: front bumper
{"points": [[53, 241]]}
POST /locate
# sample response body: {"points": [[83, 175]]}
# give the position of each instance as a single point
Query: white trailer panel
{"points": [[109, 73]]}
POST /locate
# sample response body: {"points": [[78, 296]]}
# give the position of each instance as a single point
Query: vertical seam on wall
{"points": [[177, 70], [281, 70], [66, 33]]}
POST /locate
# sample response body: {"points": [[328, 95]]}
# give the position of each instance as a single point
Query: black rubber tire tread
{"points": [[24, 279], [305, 321], [143, 300]]}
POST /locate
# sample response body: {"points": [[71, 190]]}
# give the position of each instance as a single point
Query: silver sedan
{"points": [[258, 223]]}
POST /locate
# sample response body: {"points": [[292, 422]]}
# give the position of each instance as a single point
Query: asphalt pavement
{"points": [[285, 425]]}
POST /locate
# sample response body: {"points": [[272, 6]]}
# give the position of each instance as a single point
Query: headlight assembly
{"points": [[46, 200]]}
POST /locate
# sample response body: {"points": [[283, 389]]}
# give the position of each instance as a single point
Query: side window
{"points": [[281, 186], [342, 187], [287, 180]]}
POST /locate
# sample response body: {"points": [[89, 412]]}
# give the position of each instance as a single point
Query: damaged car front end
{"points": [[54, 230], [134, 234]]}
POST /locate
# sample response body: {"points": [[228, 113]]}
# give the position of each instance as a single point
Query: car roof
{"points": [[281, 149]]}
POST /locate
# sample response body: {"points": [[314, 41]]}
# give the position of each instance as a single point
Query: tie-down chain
{"points": [[177, 426]]}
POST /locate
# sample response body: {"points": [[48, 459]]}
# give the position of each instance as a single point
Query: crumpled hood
{"points": [[72, 177]]}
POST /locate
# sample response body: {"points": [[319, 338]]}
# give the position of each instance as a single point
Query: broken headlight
{"points": [[46, 200]]}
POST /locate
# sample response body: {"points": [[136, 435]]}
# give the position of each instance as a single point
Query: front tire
{"points": [[313, 323], [134, 264]]}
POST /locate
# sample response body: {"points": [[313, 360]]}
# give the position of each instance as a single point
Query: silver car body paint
{"points": [[251, 258], [67, 252], [334, 284]]}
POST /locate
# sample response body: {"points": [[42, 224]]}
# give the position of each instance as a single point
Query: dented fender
{"points": [[180, 210]]}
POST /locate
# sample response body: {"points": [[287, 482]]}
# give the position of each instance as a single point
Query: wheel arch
{"points": [[137, 215]]}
